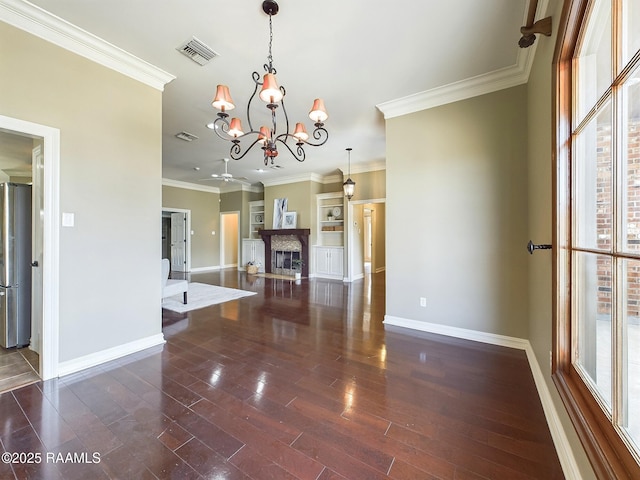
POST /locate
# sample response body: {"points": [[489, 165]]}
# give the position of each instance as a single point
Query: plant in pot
{"points": [[297, 267], [330, 215]]}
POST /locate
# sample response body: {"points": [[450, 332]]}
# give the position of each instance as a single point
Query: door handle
{"points": [[34, 263], [532, 246]]}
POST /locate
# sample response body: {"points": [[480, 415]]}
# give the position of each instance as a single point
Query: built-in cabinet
{"points": [[329, 262], [253, 251], [256, 218], [328, 253]]}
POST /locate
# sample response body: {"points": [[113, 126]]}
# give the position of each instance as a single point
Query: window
{"points": [[597, 255]]}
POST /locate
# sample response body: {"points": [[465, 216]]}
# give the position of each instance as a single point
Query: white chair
{"points": [[172, 287]]}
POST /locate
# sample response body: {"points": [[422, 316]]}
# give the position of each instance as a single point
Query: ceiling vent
{"points": [[186, 136], [197, 51], [277, 167]]}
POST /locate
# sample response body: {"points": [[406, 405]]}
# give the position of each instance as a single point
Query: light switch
{"points": [[68, 219]]}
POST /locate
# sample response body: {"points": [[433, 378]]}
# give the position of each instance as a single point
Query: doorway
{"points": [[176, 238], [44, 151], [229, 239], [365, 238]]}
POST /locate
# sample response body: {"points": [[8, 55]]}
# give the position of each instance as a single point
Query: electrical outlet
{"points": [[423, 302]]}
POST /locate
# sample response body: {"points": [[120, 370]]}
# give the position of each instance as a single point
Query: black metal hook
{"points": [[532, 246]]}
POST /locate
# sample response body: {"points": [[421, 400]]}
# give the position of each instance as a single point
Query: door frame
{"points": [[49, 356], [188, 232], [349, 277], [223, 236]]}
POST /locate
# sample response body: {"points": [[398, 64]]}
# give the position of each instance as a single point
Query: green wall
{"points": [[457, 207], [205, 219]]}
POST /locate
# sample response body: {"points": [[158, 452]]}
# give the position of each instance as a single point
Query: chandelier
{"points": [[273, 95]]}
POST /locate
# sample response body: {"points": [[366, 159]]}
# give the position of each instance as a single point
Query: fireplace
{"points": [[282, 246]]}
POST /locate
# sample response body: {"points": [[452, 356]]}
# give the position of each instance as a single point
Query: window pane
{"points": [[631, 138], [593, 60], [592, 283], [631, 29], [593, 167], [630, 419]]}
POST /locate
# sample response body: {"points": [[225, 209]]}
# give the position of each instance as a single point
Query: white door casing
{"points": [[50, 189]]}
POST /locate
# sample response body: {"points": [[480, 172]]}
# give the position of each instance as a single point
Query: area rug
{"points": [[201, 295]]}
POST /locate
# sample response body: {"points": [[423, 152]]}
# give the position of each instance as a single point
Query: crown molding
{"points": [[500, 79], [167, 182], [368, 167], [304, 177], [37, 21]]}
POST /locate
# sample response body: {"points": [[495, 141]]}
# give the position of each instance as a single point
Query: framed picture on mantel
{"points": [[289, 219], [279, 208]]}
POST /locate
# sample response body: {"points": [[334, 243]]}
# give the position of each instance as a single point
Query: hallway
{"points": [[299, 381]]}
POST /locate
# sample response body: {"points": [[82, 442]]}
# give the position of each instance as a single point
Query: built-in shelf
{"points": [[256, 218]]}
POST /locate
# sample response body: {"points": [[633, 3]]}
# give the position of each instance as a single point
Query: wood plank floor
{"points": [[297, 382]]}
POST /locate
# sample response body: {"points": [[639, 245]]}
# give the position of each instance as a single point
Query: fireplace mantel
{"points": [[303, 236]]}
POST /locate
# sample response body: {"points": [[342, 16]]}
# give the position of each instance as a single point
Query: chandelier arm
{"points": [[321, 134], [256, 80], [235, 152], [284, 111], [221, 124], [300, 155]]}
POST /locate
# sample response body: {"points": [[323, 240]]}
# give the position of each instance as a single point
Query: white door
{"points": [[37, 231], [179, 242]]}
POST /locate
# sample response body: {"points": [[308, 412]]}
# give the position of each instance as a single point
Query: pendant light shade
{"points": [[222, 100], [301, 132], [349, 186], [270, 92]]}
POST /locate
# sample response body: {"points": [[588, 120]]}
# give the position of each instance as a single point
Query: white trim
{"points": [[457, 332], [365, 168], [500, 79], [49, 356], [167, 182], [37, 21], [97, 358], [304, 177], [560, 440], [205, 269]]}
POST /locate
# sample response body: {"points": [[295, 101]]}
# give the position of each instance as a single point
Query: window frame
{"points": [[607, 449]]}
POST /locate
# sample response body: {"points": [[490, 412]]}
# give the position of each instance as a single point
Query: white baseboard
{"points": [[93, 359], [205, 269], [560, 440]]}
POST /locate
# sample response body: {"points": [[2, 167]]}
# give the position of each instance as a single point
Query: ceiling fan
{"points": [[226, 176]]}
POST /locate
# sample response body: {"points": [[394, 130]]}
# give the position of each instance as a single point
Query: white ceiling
{"points": [[354, 54]]}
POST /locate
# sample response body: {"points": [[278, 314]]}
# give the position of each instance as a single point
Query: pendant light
{"points": [[349, 186]]}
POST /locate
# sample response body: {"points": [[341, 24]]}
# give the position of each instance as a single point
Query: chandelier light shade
{"points": [[349, 186], [268, 90], [222, 100]]}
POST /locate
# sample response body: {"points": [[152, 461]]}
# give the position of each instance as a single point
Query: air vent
{"points": [[186, 136], [197, 51], [276, 167]]}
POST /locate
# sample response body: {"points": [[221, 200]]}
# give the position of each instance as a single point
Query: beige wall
{"points": [[110, 174], [299, 200], [205, 218], [540, 225], [457, 208]]}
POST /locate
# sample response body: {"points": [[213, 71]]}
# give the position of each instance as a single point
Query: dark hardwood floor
{"points": [[299, 381]]}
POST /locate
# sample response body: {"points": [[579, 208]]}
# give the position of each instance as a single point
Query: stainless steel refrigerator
{"points": [[15, 265]]}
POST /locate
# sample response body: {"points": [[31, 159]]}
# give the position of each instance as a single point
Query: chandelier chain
{"points": [[270, 57]]}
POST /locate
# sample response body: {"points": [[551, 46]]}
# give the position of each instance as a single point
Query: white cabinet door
{"points": [[329, 262], [336, 261], [253, 251]]}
